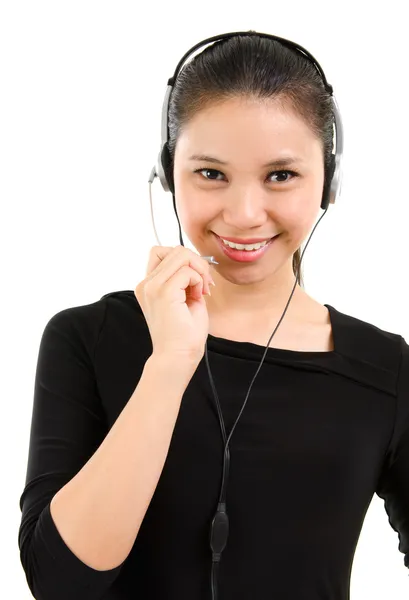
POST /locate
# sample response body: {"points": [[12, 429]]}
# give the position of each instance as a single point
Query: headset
{"points": [[219, 529]]}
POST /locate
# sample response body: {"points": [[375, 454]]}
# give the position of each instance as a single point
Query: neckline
{"points": [[224, 343]]}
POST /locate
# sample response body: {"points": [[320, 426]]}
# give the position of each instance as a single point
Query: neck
{"points": [[238, 297]]}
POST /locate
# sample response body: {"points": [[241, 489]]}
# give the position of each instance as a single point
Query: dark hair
{"points": [[260, 68]]}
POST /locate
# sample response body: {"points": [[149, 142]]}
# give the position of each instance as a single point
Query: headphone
{"points": [[219, 529]]}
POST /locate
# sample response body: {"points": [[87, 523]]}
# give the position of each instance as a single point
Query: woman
{"points": [[123, 482]]}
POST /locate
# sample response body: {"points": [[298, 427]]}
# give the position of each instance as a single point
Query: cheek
{"points": [[297, 224], [292, 221], [301, 212], [194, 209], [191, 215]]}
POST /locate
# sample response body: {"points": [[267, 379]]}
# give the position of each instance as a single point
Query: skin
{"points": [[243, 199]]}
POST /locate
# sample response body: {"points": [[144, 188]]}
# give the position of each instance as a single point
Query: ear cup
{"points": [[327, 183], [167, 166]]}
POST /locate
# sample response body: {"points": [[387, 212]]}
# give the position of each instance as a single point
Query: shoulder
{"points": [[95, 313], [366, 342], [86, 322], [367, 329]]}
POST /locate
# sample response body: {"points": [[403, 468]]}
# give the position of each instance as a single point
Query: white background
{"points": [[82, 87]]}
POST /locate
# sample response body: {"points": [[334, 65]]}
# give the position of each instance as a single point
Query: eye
{"points": [[293, 174], [207, 171]]}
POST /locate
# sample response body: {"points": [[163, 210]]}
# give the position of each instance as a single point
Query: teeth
{"points": [[245, 246]]}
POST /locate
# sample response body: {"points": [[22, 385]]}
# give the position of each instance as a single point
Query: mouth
{"points": [[244, 255]]}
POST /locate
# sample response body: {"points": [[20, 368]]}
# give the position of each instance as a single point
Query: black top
{"points": [[321, 432]]}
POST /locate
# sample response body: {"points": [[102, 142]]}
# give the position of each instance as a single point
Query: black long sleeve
{"points": [[68, 425], [393, 485], [320, 434]]}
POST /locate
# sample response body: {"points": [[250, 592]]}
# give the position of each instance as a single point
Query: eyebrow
{"points": [[278, 162]]}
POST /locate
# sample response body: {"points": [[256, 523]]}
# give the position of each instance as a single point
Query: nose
{"points": [[246, 207]]}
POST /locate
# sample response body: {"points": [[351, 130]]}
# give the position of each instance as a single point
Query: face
{"points": [[242, 197]]}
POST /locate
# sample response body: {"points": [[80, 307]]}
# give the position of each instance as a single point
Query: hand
{"points": [[171, 298]]}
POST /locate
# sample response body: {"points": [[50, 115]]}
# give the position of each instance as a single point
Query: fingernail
{"points": [[211, 282]]}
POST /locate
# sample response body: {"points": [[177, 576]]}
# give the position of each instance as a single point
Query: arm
{"points": [[393, 484], [99, 512], [87, 489]]}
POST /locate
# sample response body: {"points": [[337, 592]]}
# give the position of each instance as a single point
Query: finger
{"points": [[173, 261], [156, 256], [187, 281]]}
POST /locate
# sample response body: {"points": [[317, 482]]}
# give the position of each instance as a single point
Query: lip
{"points": [[244, 256]]}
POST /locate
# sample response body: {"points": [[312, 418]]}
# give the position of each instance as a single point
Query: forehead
{"points": [[237, 128]]}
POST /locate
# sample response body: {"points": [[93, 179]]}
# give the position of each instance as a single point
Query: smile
{"points": [[241, 255]]}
